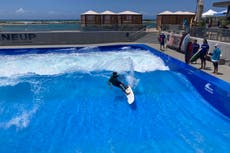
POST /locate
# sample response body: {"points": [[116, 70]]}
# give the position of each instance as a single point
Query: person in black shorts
{"points": [[203, 53], [114, 80]]}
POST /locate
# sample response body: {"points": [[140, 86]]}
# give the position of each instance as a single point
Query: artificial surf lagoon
{"points": [[58, 100]]}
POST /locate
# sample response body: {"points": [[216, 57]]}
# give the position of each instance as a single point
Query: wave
{"points": [[58, 63], [19, 121], [18, 112]]}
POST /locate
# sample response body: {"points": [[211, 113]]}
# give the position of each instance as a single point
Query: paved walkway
{"points": [[224, 70]]}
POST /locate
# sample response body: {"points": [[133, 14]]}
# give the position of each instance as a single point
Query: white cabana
{"points": [[209, 13]]}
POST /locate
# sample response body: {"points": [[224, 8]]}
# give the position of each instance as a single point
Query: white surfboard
{"points": [[185, 42], [130, 95]]}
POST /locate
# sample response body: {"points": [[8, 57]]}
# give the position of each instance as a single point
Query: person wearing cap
{"points": [[115, 81], [215, 58]]}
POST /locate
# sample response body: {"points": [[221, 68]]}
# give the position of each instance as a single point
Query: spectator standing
{"points": [[215, 58], [203, 54], [162, 40]]}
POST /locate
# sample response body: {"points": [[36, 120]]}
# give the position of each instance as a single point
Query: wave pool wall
{"points": [[214, 90]]}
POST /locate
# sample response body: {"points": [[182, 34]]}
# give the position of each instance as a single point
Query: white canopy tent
{"points": [[220, 14], [210, 12]]}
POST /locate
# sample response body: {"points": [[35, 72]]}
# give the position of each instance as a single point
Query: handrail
{"points": [[218, 34], [134, 35]]}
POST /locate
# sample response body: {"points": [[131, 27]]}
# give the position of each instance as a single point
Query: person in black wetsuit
{"points": [[114, 80]]}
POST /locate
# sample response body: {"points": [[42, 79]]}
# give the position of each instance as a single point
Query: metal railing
{"points": [[212, 33], [138, 34], [111, 27]]}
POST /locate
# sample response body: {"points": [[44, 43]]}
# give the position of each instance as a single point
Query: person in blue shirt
{"points": [[162, 40], [203, 53], [215, 58]]}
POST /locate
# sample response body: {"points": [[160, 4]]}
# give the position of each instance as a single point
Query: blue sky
{"points": [[71, 9]]}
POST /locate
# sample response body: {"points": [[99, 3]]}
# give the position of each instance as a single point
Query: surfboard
{"points": [[185, 42], [195, 56], [130, 95]]}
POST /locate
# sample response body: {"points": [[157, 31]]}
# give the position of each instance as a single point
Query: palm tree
{"points": [[199, 10]]}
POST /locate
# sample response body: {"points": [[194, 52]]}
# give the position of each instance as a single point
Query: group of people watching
{"points": [[192, 47], [214, 56]]}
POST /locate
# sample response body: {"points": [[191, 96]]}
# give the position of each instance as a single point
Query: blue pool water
{"points": [[58, 101]]}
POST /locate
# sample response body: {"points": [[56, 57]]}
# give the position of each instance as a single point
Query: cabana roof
{"points": [[129, 13], [176, 13], [108, 13], [166, 12], [90, 12], [184, 13]]}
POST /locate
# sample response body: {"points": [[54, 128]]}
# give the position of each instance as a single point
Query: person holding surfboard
{"points": [[195, 47], [115, 81]]}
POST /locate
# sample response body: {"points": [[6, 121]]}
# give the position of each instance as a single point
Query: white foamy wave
{"points": [[126, 48], [23, 115], [132, 81], [5, 81], [51, 64], [20, 114], [20, 121]]}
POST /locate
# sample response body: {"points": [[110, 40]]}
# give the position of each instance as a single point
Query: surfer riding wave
{"points": [[115, 81]]}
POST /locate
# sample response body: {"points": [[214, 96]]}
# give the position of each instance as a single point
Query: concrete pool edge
{"points": [[212, 89]]}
